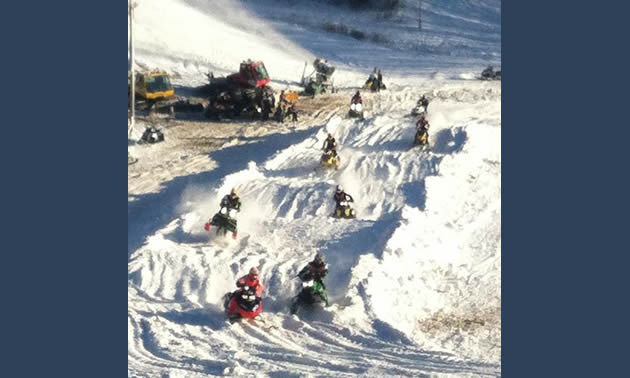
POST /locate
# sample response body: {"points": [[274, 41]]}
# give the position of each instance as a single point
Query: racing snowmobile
{"points": [[330, 160], [356, 110], [419, 111], [313, 294], [422, 139], [343, 210], [224, 220], [242, 303]]}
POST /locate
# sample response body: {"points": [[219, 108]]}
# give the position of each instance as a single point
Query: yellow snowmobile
{"points": [[330, 160], [345, 211], [422, 139]]}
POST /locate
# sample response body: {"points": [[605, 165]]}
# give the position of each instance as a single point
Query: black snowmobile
{"points": [[420, 110], [313, 294], [224, 220], [356, 110], [151, 135]]}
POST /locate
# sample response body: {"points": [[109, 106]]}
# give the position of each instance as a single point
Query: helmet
{"points": [[330, 135], [357, 94], [253, 273], [318, 260], [234, 193], [339, 188]]}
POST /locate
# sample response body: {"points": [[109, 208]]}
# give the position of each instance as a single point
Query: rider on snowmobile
{"points": [[341, 196], [422, 125], [424, 102], [231, 201], [251, 280], [315, 270], [423, 129], [330, 145]]}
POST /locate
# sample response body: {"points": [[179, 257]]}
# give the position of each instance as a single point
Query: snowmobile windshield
{"points": [[158, 84], [261, 73]]}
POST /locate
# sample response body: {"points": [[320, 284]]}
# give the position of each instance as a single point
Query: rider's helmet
{"points": [[330, 136], [253, 274], [233, 193], [339, 188], [318, 260]]}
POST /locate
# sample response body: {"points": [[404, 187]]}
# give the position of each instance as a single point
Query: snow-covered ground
{"points": [[415, 280]]}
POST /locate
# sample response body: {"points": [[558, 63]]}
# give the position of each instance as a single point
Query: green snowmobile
{"points": [[313, 294]]}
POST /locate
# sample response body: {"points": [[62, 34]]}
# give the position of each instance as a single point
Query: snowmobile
{"points": [[344, 211], [313, 293], [370, 84], [330, 160], [224, 220], [421, 139], [490, 74], [242, 303], [419, 110], [151, 135], [356, 110]]}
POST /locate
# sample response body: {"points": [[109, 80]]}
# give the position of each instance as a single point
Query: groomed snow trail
{"points": [[415, 280]]}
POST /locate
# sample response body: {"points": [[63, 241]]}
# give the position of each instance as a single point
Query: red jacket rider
{"points": [[251, 280]]}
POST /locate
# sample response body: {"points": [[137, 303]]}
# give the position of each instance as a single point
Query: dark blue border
{"points": [[564, 220], [64, 126]]}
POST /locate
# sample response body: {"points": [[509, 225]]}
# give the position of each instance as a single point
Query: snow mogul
{"points": [[422, 133], [343, 200], [330, 158], [225, 219], [421, 108], [313, 289], [356, 106], [375, 81], [245, 302], [490, 74]]}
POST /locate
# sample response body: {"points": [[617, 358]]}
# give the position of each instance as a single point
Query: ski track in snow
{"points": [[414, 281]]}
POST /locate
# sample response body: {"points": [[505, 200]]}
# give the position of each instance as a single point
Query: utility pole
{"points": [[132, 6], [420, 14]]}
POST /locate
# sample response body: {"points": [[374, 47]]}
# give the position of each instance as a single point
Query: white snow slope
{"points": [[414, 280]]}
